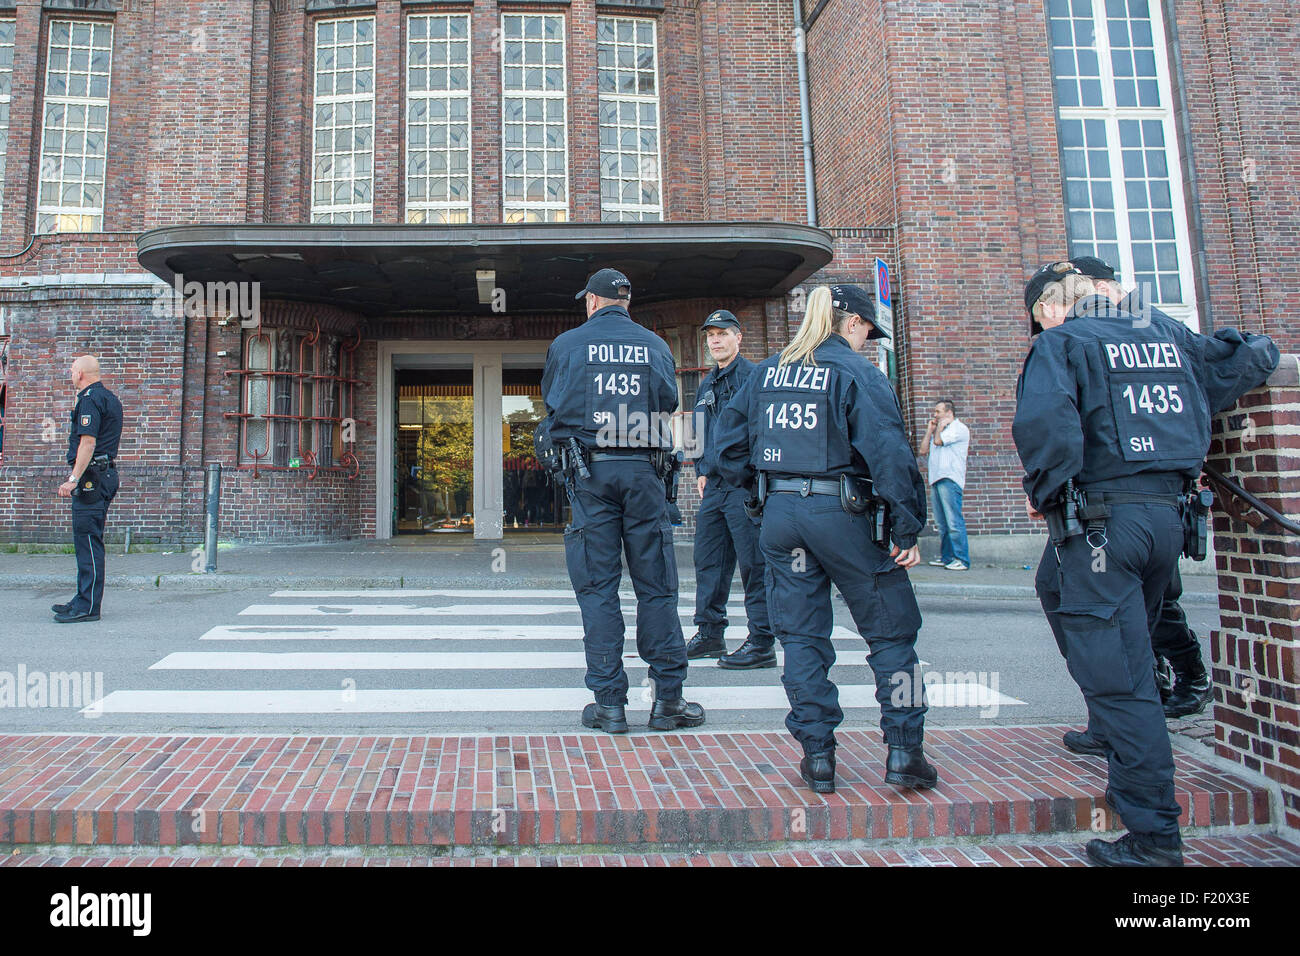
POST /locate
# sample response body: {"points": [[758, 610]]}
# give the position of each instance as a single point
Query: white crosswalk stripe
{"points": [[545, 674], [444, 632], [418, 610]]}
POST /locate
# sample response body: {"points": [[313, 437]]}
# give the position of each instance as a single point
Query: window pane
{"points": [[74, 134], [629, 119], [534, 158], [437, 115], [343, 134]]}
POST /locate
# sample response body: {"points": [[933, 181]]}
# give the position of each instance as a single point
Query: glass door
{"points": [[532, 499], [435, 452]]}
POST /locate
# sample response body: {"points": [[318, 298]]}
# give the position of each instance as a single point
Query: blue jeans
{"points": [[946, 494]]}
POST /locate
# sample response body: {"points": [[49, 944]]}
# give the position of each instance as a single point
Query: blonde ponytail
{"points": [[820, 321]]}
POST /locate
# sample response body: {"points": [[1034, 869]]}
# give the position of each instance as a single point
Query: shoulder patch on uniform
{"points": [[85, 419]]}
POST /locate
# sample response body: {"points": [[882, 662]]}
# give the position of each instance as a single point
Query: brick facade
{"points": [[935, 148], [1256, 649]]}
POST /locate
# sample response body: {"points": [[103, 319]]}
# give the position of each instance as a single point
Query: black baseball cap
{"points": [[1094, 268], [1052, 272], [721, 319], [608, 284], [850, 298]]}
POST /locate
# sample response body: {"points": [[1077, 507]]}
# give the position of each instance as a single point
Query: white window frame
{"points": [[524, 207], [638, 98], [1112, 114], [57, 210], [427, 205], [5, 100], [325, 212]]}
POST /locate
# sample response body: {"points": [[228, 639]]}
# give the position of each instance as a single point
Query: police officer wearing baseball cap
{"points": [[1049, 312], [725, 534], [1235, 363], [610, 388], [1112, 424], [818, 427]]}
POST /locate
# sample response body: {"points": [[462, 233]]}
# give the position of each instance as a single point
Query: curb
{"points": [[222, 581]]}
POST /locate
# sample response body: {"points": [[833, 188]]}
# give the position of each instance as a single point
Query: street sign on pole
{"points": [[884, 303]]}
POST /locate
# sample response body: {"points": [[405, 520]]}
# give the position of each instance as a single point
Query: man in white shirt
{"points": [[946, 470]]}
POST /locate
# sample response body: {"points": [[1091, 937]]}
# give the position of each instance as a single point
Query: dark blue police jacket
{"points": [[721, 385], [1235, 362], [1108, 395], [835, 415], [610, 383]]}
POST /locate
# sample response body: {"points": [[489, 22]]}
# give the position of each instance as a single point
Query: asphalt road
{"points": [[468, 662]]}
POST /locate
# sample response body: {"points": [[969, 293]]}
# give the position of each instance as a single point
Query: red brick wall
{"points": [[1256, 648], [1238, 60]]}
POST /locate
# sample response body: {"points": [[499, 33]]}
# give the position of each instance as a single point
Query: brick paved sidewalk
{"points": [[562, 790], [1257, 850]]}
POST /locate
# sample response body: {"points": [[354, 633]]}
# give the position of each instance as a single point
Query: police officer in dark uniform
{"points": [[92, 451], [724, 532], [1112, 425], [1234, 364], [610, 388], [818, 433]]}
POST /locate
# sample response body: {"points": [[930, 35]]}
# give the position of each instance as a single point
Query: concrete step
{"points": [[630, 794], [1247, 850]]}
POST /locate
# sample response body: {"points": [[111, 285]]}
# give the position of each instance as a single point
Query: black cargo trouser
{"points": [[724, 536], [1101, 604], [621, 510], [808, 543]]}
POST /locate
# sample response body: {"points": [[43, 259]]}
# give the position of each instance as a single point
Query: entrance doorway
{"points": [[532, 499], [435, 452], [457, 425]]}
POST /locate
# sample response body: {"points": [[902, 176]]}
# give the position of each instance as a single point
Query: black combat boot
{"points": [[1129, 850], [1164, 678], [907, 767], [750, 656], [818, 771], [610, 718], [705, 645], [1081, 742], [671, 714], [1191, 687]]}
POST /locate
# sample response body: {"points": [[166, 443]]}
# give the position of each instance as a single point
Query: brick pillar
{"points": [[390, 153], [1256, 651]]}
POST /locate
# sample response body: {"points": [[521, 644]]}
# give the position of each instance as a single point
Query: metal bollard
{"points": [[213, 509]]}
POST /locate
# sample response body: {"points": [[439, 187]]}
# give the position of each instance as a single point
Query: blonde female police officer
{"points": [[818, 428]]}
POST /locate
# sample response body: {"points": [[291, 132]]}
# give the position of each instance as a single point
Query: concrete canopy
{"points": [[420, 269]]}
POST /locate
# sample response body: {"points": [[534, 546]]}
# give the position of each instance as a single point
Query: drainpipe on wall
{"points": [[805, 114]]}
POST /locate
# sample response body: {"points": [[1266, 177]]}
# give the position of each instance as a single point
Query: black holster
{"points": [[1062, 516], [878, 512], [87, 490], [1196, 524], [757, 497], [668, 464]]}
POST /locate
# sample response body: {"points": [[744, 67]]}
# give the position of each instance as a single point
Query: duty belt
{"points": [[104, 461], [621, 456], [805, 486], [1133, 497]]}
